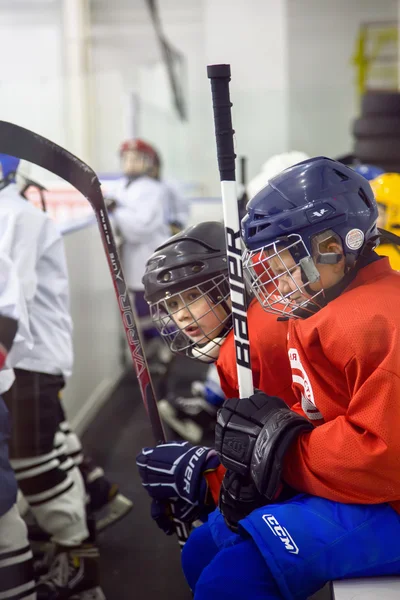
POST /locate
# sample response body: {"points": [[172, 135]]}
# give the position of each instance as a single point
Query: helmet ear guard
{"points": [[326, 239]]}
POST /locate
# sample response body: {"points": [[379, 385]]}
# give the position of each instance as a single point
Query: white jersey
{"points": [[12, 304], [32, 241], [141, 218]]}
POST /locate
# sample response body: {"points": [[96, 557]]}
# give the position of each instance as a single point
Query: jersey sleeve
{"points": [[214, 482], [355, 457], [228, 383]]}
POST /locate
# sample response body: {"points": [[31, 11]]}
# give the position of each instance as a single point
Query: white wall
{"points": [[292, 86], [127, 63], [251, 35], [31, 86], [293, 82], [322, 36]]}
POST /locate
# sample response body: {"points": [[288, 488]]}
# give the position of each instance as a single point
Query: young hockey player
{"points": [[49, 480], [139, 206], [386, 190], [186, 285], [16, 565], [313, 230], [105, 502]]}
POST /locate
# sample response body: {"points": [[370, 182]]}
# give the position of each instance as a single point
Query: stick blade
{"points": [[32, 147]]}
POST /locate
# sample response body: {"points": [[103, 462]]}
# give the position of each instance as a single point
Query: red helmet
{"points": [[140, 146]]}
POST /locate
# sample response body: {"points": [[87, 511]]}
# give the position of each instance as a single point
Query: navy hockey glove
{"points": [[252, 436], [175, 472], [183, 511]]}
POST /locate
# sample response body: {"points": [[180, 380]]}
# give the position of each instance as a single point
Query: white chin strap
{"points": [[209, 352]]}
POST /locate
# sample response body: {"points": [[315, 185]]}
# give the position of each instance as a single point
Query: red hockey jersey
{"points": [[346, 375], [269, 361]]}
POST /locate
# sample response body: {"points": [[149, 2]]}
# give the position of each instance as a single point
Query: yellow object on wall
{"points": [[376, 57]]}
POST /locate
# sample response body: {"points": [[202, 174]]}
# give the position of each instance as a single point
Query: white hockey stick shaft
{"points": [[220, 76]]}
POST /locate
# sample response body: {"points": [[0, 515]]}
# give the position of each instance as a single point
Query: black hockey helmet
{"points": [[191, 257], [194, 259]]}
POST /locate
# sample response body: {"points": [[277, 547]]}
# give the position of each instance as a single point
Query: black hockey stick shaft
{"points": [[243, 199], [27, 145], [220, 76], [243, 171]]}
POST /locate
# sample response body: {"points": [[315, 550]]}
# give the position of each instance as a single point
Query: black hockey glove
{"points": [[238, 498], [252, 436]]}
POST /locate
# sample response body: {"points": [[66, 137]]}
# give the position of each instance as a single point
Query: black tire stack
{"points": [[377, 131]]}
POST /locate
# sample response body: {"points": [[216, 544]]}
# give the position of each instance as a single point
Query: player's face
{"points": [[290, 275], [195, 315], [133, 163], [382, 217]]}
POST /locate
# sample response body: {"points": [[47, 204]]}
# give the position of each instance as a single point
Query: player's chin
{"points": [[199, 340], [299, 300]]}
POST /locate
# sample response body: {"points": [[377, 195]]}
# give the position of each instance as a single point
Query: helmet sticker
{"points": [[354, 239]]}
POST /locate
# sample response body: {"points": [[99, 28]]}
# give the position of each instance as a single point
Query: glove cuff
{"points": [[274, 439]]}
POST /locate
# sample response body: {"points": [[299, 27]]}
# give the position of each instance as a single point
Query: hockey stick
{"points": [[220, 76], [27, 145]]}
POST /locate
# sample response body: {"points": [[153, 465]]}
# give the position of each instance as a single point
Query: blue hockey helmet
{"points": [[368, 171], [315, 196], [9, 166]]}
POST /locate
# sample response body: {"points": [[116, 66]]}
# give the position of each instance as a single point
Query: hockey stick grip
{"points": [[220, 76]]}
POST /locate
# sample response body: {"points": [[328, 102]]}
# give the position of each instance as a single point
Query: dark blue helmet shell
{"points": [[309, 198]]}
